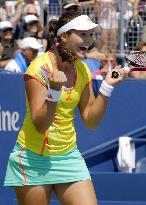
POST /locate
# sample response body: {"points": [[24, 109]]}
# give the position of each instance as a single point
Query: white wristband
{"points": [[53, 95], [106, 89]]}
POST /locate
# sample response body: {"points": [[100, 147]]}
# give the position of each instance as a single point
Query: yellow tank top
{"points": [[60, 138]]}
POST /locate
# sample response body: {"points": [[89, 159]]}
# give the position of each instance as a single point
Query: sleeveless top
{"points": [[60, 137]]}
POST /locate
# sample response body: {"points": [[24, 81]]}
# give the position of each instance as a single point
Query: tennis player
{"points": [[46, 157]]}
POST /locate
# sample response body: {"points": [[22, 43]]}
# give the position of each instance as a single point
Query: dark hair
{"points": [[64, 52], [52, 26]]}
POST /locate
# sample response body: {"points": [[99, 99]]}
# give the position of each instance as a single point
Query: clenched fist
{"points": [[55, 78]]}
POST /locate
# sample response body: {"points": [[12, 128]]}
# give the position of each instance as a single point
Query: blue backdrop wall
{"points": [[126, 111]]}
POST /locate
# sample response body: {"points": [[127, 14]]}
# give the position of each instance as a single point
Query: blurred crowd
{"points": [[27, 25]]}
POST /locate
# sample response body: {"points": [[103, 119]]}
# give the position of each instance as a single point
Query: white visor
{"points": [[80, 23]]}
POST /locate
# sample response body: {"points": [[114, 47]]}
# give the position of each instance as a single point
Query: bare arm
{"points": [[3, 63], [42, 111], [92, 110], [14, 20]]}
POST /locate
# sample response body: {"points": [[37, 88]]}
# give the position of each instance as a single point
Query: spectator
{"points": [[8, 43], [28, 9], [31, 7], [31, 29], [69, 5], [34, 9], [108, 16], [139, 74], [109, 62], [29, 48], [142, 13], [128, 9], [134, 29], [18, 12], [143, 38], [3, 15], [142, 10], [31, 26]]}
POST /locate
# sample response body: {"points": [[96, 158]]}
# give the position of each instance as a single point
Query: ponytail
{"points": [[65, 53]]}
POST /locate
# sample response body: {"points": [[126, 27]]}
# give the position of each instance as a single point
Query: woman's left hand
{"points": [[113, 81]]}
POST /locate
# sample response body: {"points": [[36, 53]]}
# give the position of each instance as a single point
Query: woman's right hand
{"points": [[57, 79]]}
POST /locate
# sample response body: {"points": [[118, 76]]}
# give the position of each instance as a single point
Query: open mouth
{"points": [[83, 49]]}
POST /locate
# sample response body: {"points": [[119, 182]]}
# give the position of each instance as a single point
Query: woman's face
{"points": [[143, 49], [32, 27], [6, 34], [30, 53], [79, 42]]}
